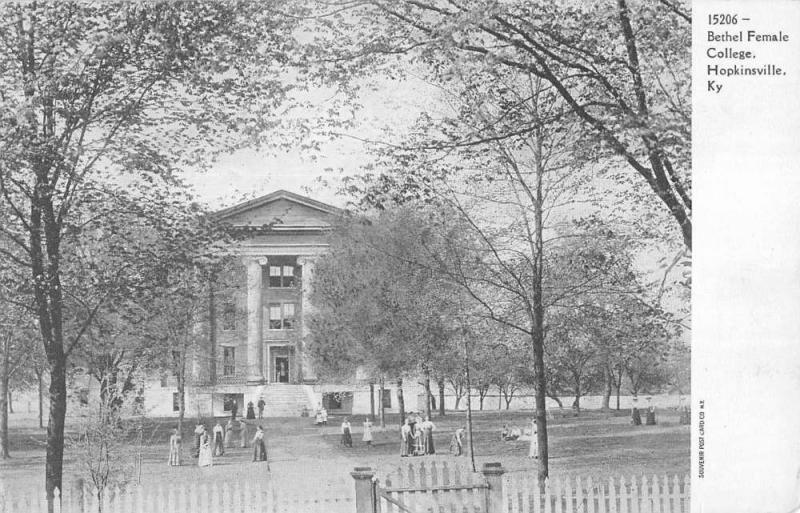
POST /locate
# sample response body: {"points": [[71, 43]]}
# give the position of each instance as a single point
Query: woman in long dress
{"points": [[347, 437], [457, 442], [229, 433], [427, 436], [198, 433], [367, 438], [533, 452], [243, 433], [260, 446], [206, 458], [219, 437], [175, 448], [406, 446]]}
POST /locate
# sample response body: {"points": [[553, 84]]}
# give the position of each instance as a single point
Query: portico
{"points": [[287, 233]]}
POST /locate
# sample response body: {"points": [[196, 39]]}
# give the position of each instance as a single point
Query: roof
{"points": [[282, 211], [275, 196]]}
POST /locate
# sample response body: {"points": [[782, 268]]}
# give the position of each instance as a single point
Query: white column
{"points": [[307, 264], [254, 320]]}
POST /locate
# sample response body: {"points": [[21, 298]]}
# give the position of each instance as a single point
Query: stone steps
{"points": [[285, 400]]}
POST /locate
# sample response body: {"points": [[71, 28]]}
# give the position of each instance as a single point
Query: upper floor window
{"points": [[281, 316], [176, 363], [229, 316], [282, 276], [228, 361]]}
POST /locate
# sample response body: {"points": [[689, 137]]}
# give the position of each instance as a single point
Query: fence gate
{"points": [[433, 487]]}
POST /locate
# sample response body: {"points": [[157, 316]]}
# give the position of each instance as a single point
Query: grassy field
{"points": [[592, 443]]}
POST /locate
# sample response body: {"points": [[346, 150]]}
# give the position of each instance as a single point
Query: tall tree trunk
{"points": [[401, 404], [576, 404], [427, 385], [556, 399], [537, 311], [39, 386], [469, 402], [608, 386], [55, 429], [372, 401], [4, 368], [181, 378], [212, 332], [382, 408], [618, 390], [10, 402], [440, 383]]}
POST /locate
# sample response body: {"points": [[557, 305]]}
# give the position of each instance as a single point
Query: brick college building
{"points": [[256, 348]]}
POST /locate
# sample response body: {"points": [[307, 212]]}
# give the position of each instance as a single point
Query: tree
{"points": [[499, 202], [15, 335], [97, 98], [375, 308], [623, 71]]}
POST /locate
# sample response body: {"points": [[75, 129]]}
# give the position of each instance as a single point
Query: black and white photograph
{"points": [[361, 256]]}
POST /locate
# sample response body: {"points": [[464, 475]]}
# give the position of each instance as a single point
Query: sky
{"points": [[247, 173]]}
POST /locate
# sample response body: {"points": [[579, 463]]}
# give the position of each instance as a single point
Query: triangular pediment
{"points": [[282, 210]]}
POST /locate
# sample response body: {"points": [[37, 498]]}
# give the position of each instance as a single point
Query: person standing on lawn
{"points": [[251, 414], [175, 448], [260, 446], [406, 444], [243, 433], [261, 405], [229, 428], [234, 409], [347, 437], [427, 428], [206, 458], [457, 442], [367, 438], [533, 450], [198, 433], [219, 439]]}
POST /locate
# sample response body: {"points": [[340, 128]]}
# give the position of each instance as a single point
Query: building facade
{"points": [[251, 345]]}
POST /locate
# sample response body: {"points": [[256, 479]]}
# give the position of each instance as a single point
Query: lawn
{"points": [[592, 443]]}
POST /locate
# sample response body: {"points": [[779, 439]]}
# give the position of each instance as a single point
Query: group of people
{"points": [[347, 433], [515, 433], [417, 436], [321, 416], [650, 418], [509, 434], [207, 445], [251, 412]]}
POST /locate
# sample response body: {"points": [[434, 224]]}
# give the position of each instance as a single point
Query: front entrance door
{"points": [[282, 369]]}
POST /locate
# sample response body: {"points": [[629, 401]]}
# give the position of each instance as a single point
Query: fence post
{"points": [[493, 472], [364, 497]]}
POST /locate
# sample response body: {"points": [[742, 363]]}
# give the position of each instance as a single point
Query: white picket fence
{"points": [[423, 488], [662, 494], [248, 496]]}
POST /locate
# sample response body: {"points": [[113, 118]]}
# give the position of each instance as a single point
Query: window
{"points": [[288, 316], [176, 363], [164, 381], [176, 401], [229, 401], [229, 316], [281, 316], [281, 276], [228, 361]]}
